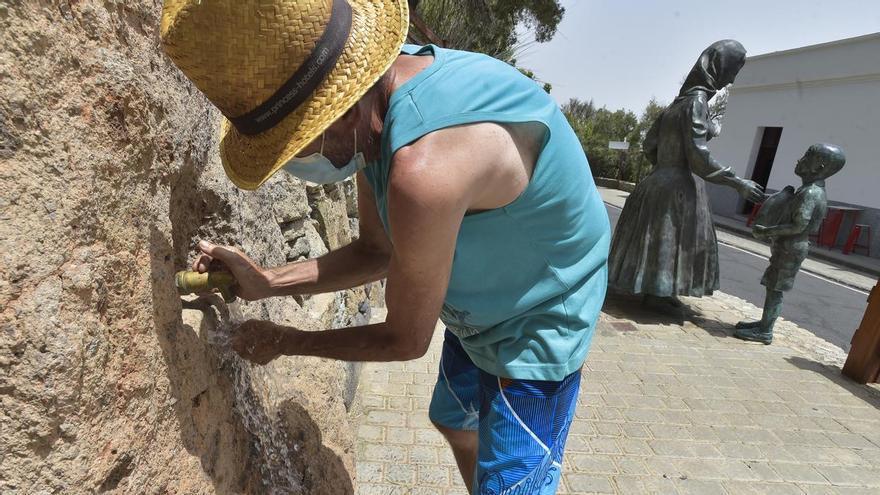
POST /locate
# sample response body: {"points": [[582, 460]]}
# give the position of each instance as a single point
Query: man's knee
{"points": [[456, 437], [445, 430]]}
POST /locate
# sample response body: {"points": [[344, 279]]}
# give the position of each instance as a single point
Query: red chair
{"points": [[830, 228], [756, 208], [814, 236], [854, 235]]}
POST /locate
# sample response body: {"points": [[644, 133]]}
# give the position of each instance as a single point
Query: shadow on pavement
{"points": [[631, 308], [832, 373]]}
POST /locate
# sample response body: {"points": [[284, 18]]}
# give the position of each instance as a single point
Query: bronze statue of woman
{"points": [[664, 245]]}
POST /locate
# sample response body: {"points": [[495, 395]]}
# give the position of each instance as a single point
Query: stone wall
{"points": [[109, 381]]}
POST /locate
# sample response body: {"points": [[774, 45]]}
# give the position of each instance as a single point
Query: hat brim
{"points": [[378, 31]]}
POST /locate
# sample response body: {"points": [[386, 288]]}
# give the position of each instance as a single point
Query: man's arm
{"points": [[363, 260], [425, 212]]}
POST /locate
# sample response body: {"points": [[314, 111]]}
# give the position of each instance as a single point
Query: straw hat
{"points": [[281, 71]]}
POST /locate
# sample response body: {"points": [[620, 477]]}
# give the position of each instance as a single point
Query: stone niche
{"points": [[109, 381]]}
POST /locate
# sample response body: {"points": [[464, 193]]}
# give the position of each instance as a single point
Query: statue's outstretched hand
{"points": [[751, 191], [759, 231]]}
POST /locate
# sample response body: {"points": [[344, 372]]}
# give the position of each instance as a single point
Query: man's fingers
{"points": [[207, 247], [220, 257], [224, 254], [202, 263], [216, 266]]}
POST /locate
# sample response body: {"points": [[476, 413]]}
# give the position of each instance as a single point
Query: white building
{"points": [[783, 102]]}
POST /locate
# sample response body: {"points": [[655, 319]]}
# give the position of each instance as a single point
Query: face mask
{"points": [[318, 169]]}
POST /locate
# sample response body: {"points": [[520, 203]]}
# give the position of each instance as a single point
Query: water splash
{"points": [[254, 394]]}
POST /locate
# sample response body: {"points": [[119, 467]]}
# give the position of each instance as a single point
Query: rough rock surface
{"points": [[109, 381]]}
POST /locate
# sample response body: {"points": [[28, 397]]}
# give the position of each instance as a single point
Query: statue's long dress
{"points": [[664, 243]]}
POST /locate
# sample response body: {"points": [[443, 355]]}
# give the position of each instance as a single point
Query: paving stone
{"points": [[421, 404], [401, 473], [604, 446], [752, 488], [849, 457], [401, 377], [399, 403], [820, 489], [420, 366], [851, 475], [642, 415], [700, 487], [854, 490], [812, 454], [433, 475], [384, 452], [777, 453], [386, 389], [583, 483], [381, 489], [631, 465], [398, 435], [419, 390], [369, 471], [371, 433], [652, 485], [428, 436], [373, 401], [423, 454], [606, 429], [387, 418], [591, 463], [633, 446], [763, 470], [670, 432], [578, 443], [636, 431], [801, 473], [850, 440], [419, 420]]}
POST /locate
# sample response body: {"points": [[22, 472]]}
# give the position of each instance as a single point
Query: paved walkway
{"points": [[664, 408]]}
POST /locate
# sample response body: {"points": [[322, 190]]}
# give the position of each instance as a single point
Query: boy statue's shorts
{"points": [[522, 424]]}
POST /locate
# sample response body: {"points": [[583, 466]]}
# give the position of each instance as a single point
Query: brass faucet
{"points": [[189, 282]]}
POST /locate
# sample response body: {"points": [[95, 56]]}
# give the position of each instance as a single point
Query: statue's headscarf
{"points": [[717, 63]]}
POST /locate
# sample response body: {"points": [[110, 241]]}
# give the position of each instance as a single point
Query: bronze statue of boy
{"points": [[787, 218]]}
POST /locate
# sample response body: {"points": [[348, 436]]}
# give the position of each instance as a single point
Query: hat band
{"points": [[303, 82]]}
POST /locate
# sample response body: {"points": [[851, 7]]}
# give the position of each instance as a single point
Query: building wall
{"points": [[831, 94]]}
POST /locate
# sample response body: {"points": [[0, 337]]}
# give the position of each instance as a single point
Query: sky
{"points": [[620, 53]]}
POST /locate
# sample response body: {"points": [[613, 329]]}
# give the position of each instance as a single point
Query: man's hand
{"points": [[258, 341], [252, 281]]}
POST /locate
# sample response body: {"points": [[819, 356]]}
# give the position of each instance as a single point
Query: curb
{"points": [[740, 232], [814, 253]]}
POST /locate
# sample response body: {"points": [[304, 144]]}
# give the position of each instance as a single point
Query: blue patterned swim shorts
{"points": [[522, 424]]}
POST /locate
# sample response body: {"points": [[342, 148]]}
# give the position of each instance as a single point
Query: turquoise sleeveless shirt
{"points": [[528, 280]]}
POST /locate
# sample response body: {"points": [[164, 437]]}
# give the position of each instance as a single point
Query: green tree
{"points": [[531, 75], [595, 127], [718, 106], [639, 166], [489, 26]]}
